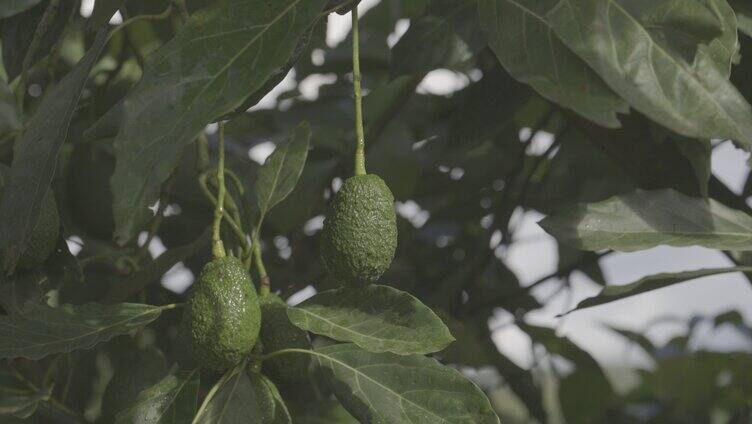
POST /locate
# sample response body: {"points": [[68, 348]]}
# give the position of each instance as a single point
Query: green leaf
{"points": [[526, 46], [223, 54], [18, 32], [388, 388], [12, 7], [645, 219], [36, 156], [650, 72], [241, 397], [375, 317], [652, 282], [281, 171], [44, 330], [22, 406], [171, 401], [10, 121]]}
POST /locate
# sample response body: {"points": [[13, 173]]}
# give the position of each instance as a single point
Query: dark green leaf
{"points": [[11, 7], [281, 171], [223, 53], [44, 330], [650, 283], [171, 401], [18, 32], [646, 219], [10, 121], [388, 388], [650, 72], [243, 397], [524, 43], [375, 317], [36, 157]]}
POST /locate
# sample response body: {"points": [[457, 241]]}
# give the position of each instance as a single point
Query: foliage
{"points": [[148, 133]]}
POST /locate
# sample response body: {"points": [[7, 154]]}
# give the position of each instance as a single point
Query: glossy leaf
{"points": [[12, 7], [647, 70], [650, 283], [44, 330], [171, 401], [527, 47], [36, 157], [281, 171], [377, 318], [223, 54], [645, 219], [383, 387], [241, 398]]}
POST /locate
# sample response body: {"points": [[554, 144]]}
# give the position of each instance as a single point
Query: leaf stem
{"points": [[158, 17], [218, 249], [284, 352], [222, 380], [360, 149], [44, 24], [264, 281]]}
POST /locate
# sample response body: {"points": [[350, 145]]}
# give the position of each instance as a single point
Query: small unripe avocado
{"points": [[360, 232], [141, 369], [277, 333], [222, 320], [46, 230]]}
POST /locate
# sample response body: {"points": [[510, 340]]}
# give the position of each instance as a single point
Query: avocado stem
{"points": [[360, 149], [218, 249], [264, 281]]}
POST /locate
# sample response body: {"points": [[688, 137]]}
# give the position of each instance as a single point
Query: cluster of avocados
{"points": [[225, 318]]}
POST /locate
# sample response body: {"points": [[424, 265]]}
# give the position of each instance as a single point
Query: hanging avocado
{"points": [[360, 232], [277, 333], [222, 319]]}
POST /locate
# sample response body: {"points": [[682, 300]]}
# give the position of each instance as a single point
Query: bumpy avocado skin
{"points": [[143, 369], [222, 320], [46, 230], [277, 333], [360, 232]]}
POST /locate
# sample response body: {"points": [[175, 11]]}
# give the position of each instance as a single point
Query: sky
{"points": [[534, 255]]}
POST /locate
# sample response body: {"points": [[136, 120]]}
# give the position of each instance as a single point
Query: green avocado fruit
{"points": [[140, 370], [277, 333], [46, 230], [360, 232], [222, 320]]}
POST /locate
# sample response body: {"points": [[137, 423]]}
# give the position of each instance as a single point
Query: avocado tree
{"points": [[157, 267]]}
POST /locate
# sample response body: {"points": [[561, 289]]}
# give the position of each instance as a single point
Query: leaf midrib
{"points": [[356, 371]]}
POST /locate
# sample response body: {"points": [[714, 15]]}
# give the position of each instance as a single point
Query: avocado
{"points": [[277, 333], [139, 370], [222, 320], [44, 236], [360, 231]]}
